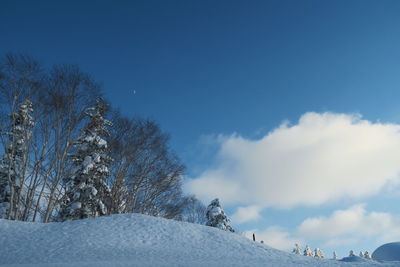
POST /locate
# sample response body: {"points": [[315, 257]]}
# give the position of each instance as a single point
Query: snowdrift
{"points": [[355, 259], [139, 240], [388, 252]]}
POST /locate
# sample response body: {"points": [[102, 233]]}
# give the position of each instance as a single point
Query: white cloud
{"points": [[246, 214], [275, 237], [324, 157], [340, 242], [341, 222], [347, 226]]}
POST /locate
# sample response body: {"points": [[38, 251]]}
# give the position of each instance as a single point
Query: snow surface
{"points": [[388, 252], [356, 259], [139, 240]]}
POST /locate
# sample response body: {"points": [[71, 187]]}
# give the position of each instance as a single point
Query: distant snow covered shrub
{"points": [[308, 252], [296, 250], [318, 253]]}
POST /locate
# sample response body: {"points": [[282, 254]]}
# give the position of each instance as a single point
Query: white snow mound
{"points": [[139, 240], [387, 252]]}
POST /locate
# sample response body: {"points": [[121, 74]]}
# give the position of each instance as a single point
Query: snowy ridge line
{"points": [[140, 240]]}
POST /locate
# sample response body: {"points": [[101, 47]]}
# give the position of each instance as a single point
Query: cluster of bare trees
{"points": [[145, 176]]}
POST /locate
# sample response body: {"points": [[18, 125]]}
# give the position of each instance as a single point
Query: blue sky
{"points": [[219, 76]]}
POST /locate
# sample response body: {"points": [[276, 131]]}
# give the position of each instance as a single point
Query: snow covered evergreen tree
{"points": [[321, 254], [361, 255], [335, 257], [297, 249], [216, 216], [367, 255], [308, 252], [351, 253], [13, 165], [87, 189], [318, 253]]}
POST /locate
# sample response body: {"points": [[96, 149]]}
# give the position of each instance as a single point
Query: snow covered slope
{"points": [[388, 252], [138, 240]]}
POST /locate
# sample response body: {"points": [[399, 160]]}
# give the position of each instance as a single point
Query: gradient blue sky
{"points": [[208, 68]]}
